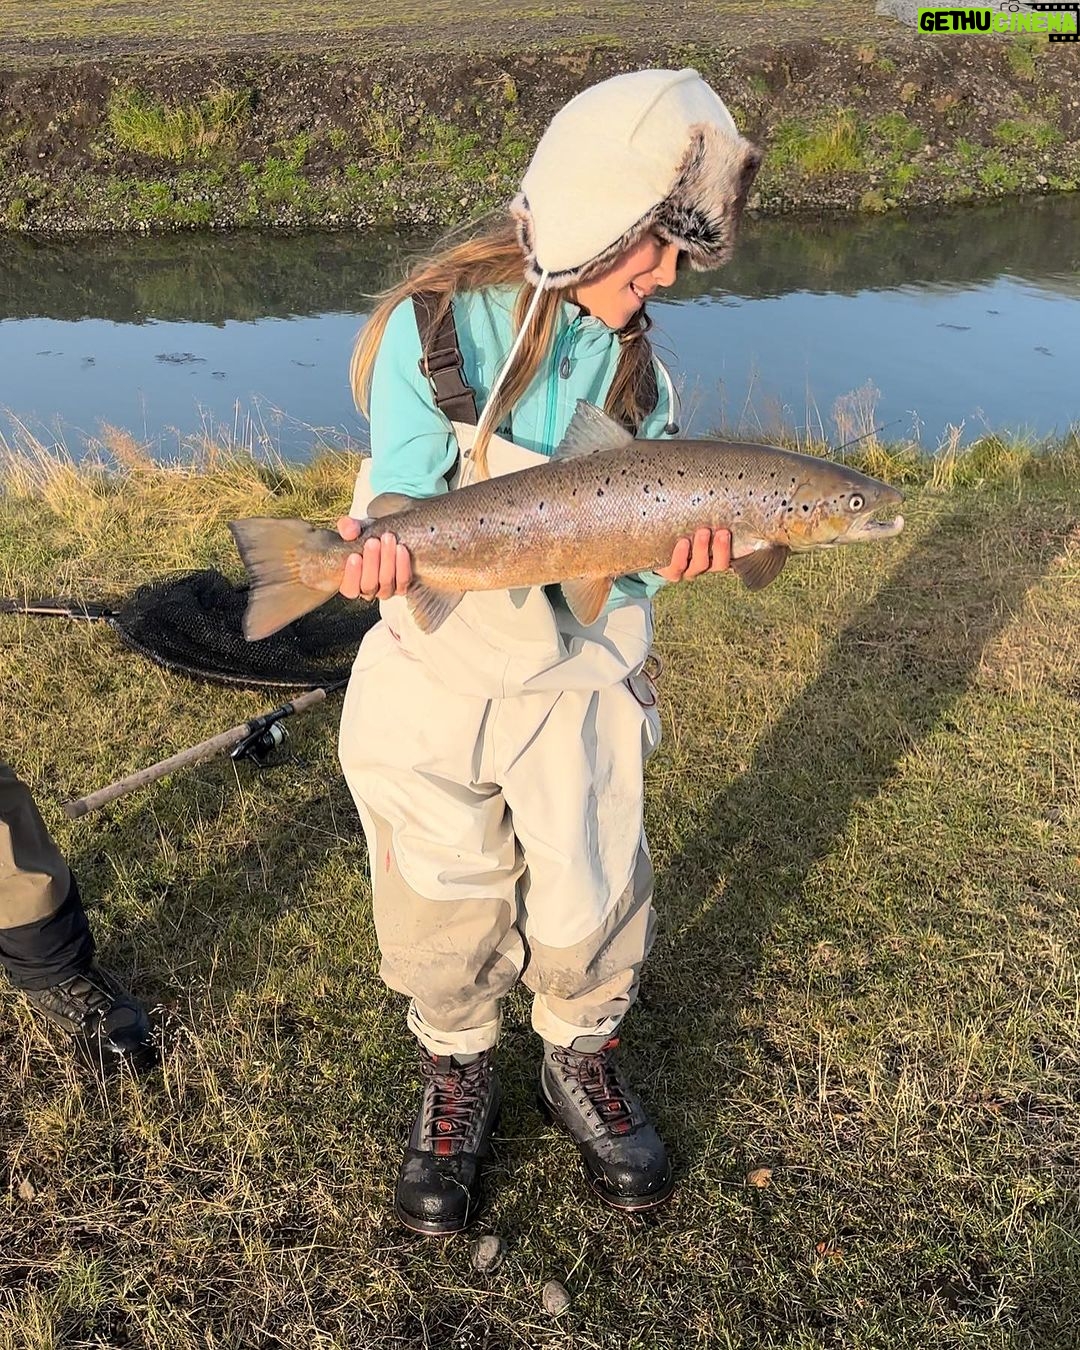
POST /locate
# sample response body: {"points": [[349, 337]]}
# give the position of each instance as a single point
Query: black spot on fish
{"points": [[740, 476], [607, 481], [541, 506], [805, 507], [599, 492], [431, 528], [681, 473], [481, 520]]}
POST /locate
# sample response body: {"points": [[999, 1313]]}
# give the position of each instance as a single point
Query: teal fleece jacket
{"points": [[413, 448]]}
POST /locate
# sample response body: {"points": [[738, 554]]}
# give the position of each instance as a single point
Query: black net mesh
{"points": [[192, 623]]}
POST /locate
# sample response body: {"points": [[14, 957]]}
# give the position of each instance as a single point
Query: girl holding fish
{"points": [[496, 757]]}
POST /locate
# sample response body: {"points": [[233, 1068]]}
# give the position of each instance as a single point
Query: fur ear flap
{"points": [[702, 211]]}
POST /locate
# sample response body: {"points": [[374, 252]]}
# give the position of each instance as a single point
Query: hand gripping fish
{"points": [[605, 505]]}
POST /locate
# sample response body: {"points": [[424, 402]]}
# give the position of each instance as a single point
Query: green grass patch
{"points": [[999, 175], [1030, 133], [865, 819], [1020, 55], [178, 131], [899, 133], [831, 145]]}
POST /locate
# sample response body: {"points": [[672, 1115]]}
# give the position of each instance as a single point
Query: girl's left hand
{"points": [[708, 551]]}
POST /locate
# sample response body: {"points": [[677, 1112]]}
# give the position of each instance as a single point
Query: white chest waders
{"points": [[497, 766]]}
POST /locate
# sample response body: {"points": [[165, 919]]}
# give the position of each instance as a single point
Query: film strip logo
{"points": [[1044, 8]]}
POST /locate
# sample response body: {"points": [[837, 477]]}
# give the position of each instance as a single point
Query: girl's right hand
{"points": [[382, 570]]}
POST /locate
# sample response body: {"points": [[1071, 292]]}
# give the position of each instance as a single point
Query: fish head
{"points": [[835, 505]]}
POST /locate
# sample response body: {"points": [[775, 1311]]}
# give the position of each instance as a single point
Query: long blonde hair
{"points": [[494, 258]]}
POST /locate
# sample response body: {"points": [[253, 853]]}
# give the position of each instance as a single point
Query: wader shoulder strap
{"points": [[441, 362]]}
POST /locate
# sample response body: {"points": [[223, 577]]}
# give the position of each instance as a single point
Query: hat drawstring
{"points": [[672, 427], [504, 369]]}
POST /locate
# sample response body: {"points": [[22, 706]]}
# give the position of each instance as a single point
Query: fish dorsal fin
{"points": [[389, 504], [757, 569], [586, 597], [590, 430]]}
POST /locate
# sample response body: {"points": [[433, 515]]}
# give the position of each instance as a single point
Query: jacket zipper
{"points": [[560, 370]]}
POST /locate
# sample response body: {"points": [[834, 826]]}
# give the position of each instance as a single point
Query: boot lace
{"points": [[456, 1095], [599, 1079], [79, 999]]}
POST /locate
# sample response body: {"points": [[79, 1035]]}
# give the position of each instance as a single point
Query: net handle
{"points": [[59, 608]]}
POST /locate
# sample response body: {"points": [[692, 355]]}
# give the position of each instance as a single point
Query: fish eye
{"points": [[856, 501]]}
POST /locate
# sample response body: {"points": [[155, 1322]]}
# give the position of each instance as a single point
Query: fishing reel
{"points": [[266, 746]]}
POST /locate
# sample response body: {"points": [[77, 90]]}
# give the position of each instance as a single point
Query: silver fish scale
{"points": [[612, 512]]}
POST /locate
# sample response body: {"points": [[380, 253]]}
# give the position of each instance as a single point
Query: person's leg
{"points": [[47, 948], [575, 785], [444, 871]]}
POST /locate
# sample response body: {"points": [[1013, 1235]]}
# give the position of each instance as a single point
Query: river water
{"points": [[968, 318]]}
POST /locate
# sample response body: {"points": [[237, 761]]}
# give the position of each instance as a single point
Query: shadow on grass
{"points": [[894, 673], [746, 860]]}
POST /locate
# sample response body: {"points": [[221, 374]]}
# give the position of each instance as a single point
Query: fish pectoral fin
{"points": [[591, 430], [389, 504], [429, 607], [757, 569], [587, 597]]}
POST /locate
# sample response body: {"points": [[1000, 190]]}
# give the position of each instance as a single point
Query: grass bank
{"points": [[866, 820], [185, 118]]}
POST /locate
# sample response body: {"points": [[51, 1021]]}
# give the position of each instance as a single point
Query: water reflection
{"points": [[969, 314]]}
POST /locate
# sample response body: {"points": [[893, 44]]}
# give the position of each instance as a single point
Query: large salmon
{"points": [[605, 505]]}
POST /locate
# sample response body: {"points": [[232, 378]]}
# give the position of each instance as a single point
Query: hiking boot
{"points": [[438, 1186], [585, 1092], [108, 1025]]}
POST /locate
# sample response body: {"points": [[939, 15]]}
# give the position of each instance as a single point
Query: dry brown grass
{"points": [[213, 23], [866, 821]]}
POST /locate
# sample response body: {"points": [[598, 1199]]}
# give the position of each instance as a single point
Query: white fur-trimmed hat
{"points": [[653, 150]]}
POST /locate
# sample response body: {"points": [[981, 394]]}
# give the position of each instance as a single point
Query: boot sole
{"points": [[433, 1228], [624, 1204], [425, 1229]]}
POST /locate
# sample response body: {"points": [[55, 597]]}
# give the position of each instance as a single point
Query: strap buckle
{"points": [[435, 362]]}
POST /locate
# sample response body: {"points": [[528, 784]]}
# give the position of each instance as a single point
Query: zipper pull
{"points": [[564, 368]]}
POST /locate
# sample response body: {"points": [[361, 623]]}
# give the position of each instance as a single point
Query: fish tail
{"points": [[289, 570]]}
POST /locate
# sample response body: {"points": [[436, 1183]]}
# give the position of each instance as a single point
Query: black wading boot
{"points": [[438, 1187], [585, 1092], [109, 1026]]}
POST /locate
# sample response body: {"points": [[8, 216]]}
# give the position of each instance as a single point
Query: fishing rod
{"points": [[836, 450], [256, 740]]}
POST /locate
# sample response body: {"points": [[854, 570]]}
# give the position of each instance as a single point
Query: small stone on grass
{"points": [[487, 1253], [555, 1298]]}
